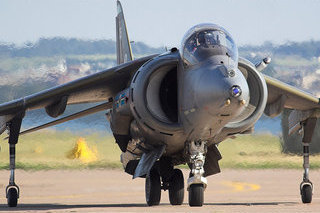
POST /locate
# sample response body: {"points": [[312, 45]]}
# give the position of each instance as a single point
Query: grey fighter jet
{"points": [[172, 109]]}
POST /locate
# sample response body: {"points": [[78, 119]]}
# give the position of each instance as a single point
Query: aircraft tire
{"points": [[176, 188], [196, 194], [153, 188], [12, 197], [306, 194]]}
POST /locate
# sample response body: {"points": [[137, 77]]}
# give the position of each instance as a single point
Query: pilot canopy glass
{"points": [[205, 43]]}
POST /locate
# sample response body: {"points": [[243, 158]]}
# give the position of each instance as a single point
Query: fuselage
{"points": [[188, 94]]}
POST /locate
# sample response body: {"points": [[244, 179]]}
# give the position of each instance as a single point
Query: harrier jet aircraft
{"points": [[172, 109]]}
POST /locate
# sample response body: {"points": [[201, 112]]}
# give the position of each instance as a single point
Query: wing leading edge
{"points": [[97, 87]]}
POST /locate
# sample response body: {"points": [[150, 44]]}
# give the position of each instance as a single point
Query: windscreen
{"points": [[203, 44]]}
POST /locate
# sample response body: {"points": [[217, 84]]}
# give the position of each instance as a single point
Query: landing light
{"points": [[236, 91]]}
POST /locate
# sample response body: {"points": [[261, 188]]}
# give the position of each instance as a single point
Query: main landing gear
{"points": [[176, 188], [12, 190], [306, 187], [164, 176], [172, 179], [153, 188]]}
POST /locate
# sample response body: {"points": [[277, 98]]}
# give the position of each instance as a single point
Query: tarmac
{"points": [[115, 191]]}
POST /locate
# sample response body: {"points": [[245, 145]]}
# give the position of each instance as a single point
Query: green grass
{"points": [[259, 152], [48, 150]]}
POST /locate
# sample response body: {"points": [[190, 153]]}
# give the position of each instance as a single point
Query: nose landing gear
{"points": [[196, 182]]}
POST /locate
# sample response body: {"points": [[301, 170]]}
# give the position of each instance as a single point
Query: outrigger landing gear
{"points": [[12, 190], [306, 187], [196, 182]]}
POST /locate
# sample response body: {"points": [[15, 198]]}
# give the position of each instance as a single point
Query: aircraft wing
{"points": [[291, 97], [101, 86], [282, 95]]}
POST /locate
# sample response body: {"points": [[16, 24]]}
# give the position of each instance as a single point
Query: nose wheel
{"points": [[196, 195]]}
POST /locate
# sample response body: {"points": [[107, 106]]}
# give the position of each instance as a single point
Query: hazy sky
{"points": [[161, 22]]}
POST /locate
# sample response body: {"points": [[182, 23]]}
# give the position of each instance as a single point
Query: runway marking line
{"points": [[241, 186]]}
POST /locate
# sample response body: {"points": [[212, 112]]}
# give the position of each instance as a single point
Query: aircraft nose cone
{"points": [[218, 93], [211, 98]]}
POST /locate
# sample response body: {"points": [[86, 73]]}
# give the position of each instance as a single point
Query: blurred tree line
{"points": [[305, 49], [66, 46], [70, 46]]}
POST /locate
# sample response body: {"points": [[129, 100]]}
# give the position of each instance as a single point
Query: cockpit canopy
{"points": [[206, 40]]}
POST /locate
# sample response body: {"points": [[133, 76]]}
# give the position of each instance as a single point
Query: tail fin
{"points": [[124, 53]]}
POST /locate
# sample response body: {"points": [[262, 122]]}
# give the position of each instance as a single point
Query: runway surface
{"points": [[115, 191]]}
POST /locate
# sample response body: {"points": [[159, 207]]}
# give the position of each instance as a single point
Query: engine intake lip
{"points": [[143, 110]]}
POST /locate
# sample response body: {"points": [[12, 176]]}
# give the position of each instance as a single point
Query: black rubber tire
{"points": [[153, 188], [12, 197], [176, 188], [196, 194], [306, 194]]}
